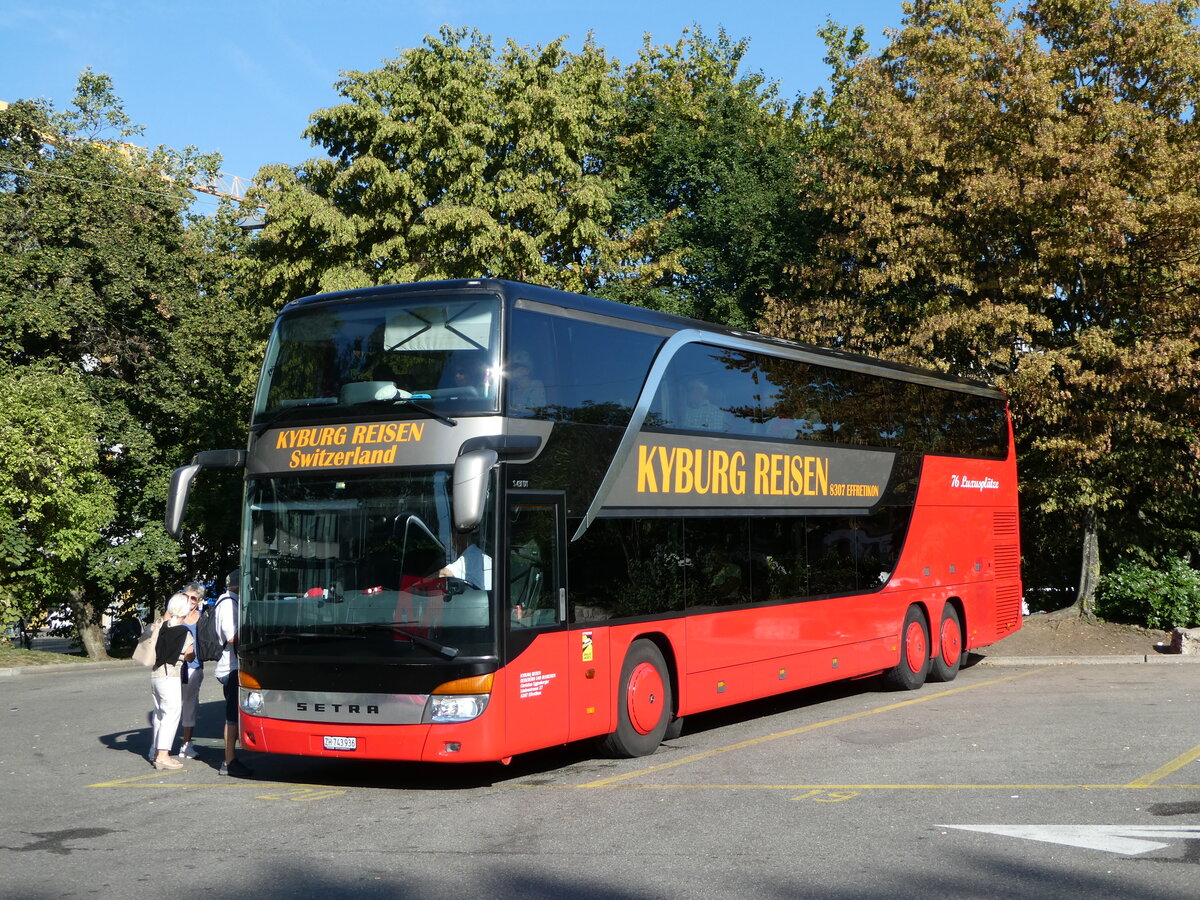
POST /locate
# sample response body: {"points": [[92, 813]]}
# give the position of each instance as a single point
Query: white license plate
{"points": [[340, 743]]}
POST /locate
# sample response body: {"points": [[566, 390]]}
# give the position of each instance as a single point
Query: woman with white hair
{"points": [[172, 651], [190, 686]]}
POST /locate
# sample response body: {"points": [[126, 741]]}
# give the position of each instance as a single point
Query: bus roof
{"points": [[624, 312]]}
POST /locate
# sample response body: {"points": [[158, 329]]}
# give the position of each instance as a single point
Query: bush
{"points": [[1157, 598]]}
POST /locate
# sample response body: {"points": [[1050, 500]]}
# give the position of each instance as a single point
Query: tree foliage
{"points": [[1018, 201], [670, 183], [716, 169], [1003, 191], [53, 498], [453, 160], [98, 272]]}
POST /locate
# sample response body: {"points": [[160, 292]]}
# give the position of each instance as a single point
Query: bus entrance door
{"points": [[536, 686]]}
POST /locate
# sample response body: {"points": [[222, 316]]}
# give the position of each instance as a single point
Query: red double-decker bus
{"points": [[483, 518]]}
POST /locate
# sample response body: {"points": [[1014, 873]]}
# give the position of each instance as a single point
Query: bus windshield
{"points": [[432, 353], [368, 566]]}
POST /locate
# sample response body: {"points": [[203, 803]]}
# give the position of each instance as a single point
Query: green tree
{"points": [[53, 498], [1018, 201], [453, 160], [101, 306], [716, 161]]}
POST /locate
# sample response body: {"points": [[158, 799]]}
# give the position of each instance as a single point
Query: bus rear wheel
{"points": [[948, 651], [643, 702], [909, 674]]}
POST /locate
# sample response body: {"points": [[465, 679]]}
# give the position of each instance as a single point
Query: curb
{"points": [[1152, 659], [66, 667]]}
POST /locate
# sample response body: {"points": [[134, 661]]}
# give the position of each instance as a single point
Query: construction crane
{"points": [[230, 187]]}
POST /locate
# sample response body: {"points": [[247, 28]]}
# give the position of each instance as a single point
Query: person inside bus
{"points": [[700, 412], [470, 375], [472, 565], [525, 393]]}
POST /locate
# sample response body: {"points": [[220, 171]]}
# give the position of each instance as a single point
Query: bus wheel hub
{"points": [[643, 698]]}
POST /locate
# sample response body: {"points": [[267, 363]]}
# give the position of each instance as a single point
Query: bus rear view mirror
{"points": [[181, 482], [469, 487]]}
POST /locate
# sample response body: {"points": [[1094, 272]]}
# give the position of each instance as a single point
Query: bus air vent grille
{"points": [[1004, 524], [1008, 562], [1008, 607]]}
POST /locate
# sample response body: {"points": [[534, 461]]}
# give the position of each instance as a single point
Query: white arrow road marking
{"points": [[1128, 840]]}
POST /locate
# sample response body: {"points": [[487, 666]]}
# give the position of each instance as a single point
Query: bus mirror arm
{"points": [[181, 482], [469, 487]]}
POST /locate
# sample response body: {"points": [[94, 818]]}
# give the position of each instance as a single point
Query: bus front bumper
{"points": [[474, 741]]}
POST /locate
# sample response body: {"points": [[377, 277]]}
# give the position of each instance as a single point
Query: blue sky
{"points": [[242, 78]]}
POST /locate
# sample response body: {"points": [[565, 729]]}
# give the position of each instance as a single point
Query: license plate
{"points": [[340, 743]]}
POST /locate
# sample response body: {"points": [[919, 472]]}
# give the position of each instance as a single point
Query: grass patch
{"points": [[15, 657]]}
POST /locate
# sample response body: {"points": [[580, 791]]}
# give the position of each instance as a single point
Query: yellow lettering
{"points": [[762, 466], [647, 484], [737, 473], [703, 484], [720, 472], [795, 485], [666, 463], [683, 470], [777, 474], [820, 473]]}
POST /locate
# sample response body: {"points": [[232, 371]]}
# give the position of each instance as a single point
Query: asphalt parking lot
{"points": [[1047, 781]]}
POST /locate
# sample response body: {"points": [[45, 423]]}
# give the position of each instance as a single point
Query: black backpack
{"points": [[209, 645]]}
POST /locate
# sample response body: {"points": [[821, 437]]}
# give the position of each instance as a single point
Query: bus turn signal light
{"points": [[248, 681], [478, 684]]}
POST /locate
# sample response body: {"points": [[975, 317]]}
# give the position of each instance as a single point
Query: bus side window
{"points": [[532, 536]]}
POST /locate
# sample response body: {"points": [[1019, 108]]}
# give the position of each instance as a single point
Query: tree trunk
{"points": [[88, 626], [1089, 569]]}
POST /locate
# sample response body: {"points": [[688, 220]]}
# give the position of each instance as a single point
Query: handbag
{"points": [[144, 652]]}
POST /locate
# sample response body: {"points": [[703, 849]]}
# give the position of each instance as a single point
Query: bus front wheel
{"points": [[643, 702], [909, 674], [948, 647]]}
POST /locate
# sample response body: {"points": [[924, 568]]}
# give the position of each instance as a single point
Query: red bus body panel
{"points": [[563, 687]]}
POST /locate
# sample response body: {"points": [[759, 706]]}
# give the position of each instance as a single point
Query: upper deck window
{"points": [[718, 390], [573, 370], [439, 353]]}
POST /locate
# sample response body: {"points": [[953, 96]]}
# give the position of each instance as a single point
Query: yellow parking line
{"points": [[741, 745], [122, 782], [145, 781], [1163, 771]]}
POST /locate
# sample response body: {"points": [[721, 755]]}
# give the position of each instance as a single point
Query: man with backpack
{"points": [[226, 615]]}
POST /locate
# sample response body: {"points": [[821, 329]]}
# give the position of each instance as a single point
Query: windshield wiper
{"points": [[282, 412], [419, 640], [429, 412], [406, 401], [294, 636], [385, 393]]}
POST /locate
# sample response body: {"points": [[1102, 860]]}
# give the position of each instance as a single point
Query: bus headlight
{"points": [[460, 700], [457, 708], [252, 702]]}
